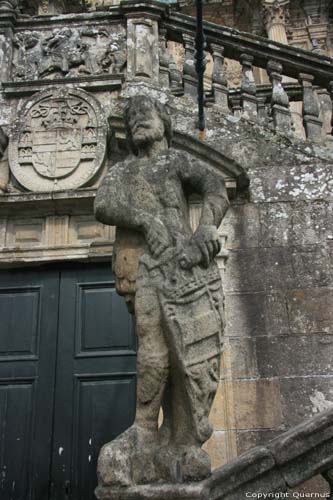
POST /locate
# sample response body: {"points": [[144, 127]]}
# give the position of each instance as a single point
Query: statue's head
{"points": [[146, 122]]}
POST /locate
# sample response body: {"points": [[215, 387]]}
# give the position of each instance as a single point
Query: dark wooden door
{"points": [[74, 381]]}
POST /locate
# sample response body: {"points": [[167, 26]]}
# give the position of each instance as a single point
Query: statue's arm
{"points": [[211, 186], [113, 206]]}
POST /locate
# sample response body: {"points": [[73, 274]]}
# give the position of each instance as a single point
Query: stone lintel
{"points": [[100, 83]]}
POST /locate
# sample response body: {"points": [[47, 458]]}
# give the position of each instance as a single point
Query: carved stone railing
{"points": [[313, 72], [145, 54]]}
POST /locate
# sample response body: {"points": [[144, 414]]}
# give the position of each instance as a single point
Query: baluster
{"points": [[176, 80], [164, 59], [263, 117], [312, 123], [189, 73], [325, 105], [280, 101], [220, 82], [331, 92], [236, 105], [248, 88]]}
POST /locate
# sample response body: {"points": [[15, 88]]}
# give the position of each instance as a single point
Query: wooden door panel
{"points": [[95, 390], [16, 400], [101, 412], [28, 311], [20, 316], [102, 321]]}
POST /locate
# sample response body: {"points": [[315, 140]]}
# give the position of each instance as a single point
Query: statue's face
{"points": [[146, 124]]}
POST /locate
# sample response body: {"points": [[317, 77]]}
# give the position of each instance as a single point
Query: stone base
{"points": [[189, 491]]}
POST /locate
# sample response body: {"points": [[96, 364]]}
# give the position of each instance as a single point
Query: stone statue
{"points": [[8, 5], [171, 282], [3, 142]]}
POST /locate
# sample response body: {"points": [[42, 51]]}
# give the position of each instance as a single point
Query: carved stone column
{"points": [[142, 48], [280, 100], [51, 7], [275, 12], [248, 88], [164, 59], [312, 123], [220, 82], [189, 73]]}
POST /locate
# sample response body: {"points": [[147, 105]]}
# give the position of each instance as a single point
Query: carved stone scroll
{"points": [[59, 141]]}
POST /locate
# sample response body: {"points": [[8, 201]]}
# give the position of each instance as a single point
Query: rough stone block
{"points": [[276, 313], [303, 397], [294, 355], [245, 314], [310, 311], [241, 224], [257, 404], [275, 224], [277, 270], [244, 271], [243, 358], [310, 223], [311, 267]]}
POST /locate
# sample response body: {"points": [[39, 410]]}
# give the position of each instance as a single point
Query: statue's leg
{"points": [[153, 359], [129, 459]]}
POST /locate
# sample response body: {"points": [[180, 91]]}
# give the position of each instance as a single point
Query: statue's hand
{"points": [[157, 237], [204, 246]]}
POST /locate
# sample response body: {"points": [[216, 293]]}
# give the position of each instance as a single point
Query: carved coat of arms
{"points": [[59, 142]]}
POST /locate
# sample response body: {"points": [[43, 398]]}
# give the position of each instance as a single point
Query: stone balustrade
{"points": [[142, 48]]}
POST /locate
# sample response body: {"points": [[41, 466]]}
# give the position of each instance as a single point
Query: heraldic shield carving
{"points": [[59, 141]]}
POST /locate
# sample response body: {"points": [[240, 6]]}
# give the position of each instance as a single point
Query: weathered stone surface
{"points": [[303, 397], [59, 141], [178, 300], [305, 450], [253, 472], [69, 52], [294, 355], [310, 310]]}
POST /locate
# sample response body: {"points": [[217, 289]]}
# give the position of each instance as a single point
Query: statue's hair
{"points": [[134, 103]]}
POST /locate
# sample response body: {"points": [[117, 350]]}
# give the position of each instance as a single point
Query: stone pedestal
{"points": [[191, 491]]}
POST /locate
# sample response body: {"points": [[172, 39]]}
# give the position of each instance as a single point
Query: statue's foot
{"points": [[182, 464], [128, 459]]}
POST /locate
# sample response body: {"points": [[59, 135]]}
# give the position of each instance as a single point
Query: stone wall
{"points": [[278, 280]]}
